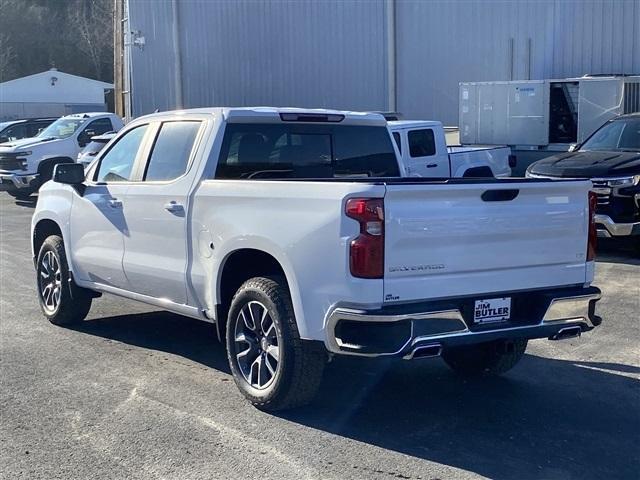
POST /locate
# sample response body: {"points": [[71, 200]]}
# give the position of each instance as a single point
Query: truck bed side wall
{"points": [[300, 224]]}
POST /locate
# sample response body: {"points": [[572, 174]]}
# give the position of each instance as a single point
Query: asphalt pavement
{"points": [[134, 393]]}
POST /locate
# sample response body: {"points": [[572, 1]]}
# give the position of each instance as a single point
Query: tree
{"points": [[75, 36], [7, 57], [92, 22]]}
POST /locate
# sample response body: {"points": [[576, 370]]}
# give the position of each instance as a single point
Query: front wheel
{"points": [[273, 368], [61, 301], [491, 358], [22, 194]]}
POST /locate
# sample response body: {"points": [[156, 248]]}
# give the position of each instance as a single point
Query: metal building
{"points": [[396, 55], [51, 93]]}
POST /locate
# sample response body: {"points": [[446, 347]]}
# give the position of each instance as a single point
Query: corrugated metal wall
{"points": [[297, 53], [442, 43], [333, 53]]}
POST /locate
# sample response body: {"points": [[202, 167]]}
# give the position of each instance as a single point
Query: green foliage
{"points": [[75, 36]]}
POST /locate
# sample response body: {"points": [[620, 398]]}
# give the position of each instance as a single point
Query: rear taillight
{"points": [[366, 252], [593, 233]]}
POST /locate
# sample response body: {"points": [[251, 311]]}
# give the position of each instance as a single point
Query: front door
{"points": [[98, 216], [155, 250]]}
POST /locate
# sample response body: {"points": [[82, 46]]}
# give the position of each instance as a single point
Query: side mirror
{"points": [[574, 147], [4, 139], [69, 173]]}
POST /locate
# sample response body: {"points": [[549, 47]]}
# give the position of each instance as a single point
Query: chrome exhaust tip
{"points": [[566, 333], [425, 351]]}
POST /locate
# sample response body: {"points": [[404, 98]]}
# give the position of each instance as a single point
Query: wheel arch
{"points": [[476, 171], [43, 229], [239, 266]]}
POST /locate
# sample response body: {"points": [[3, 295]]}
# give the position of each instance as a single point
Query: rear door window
{"points": [[422, 143], [296, 150], [171, 150]]}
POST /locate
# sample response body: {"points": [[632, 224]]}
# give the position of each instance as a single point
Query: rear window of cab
{"points": [[297, 150]]}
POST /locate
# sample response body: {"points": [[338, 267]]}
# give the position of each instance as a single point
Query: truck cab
{"points": [[424, 153]]}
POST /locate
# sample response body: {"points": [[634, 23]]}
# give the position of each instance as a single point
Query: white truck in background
{"points": [[27, 163], [292, 232], [424, 153]]}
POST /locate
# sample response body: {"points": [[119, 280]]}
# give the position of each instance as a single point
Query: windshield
{"points": [[617, 135], [62, 128]]}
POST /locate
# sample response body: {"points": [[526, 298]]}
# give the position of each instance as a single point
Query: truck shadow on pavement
{"points": [[545, 419], [611, 251]]}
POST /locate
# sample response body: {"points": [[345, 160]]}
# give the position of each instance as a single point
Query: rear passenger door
{"points": [[155, 251], [422, 157]]}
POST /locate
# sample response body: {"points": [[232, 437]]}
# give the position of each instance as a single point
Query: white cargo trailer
{"points": [[540, 117]]}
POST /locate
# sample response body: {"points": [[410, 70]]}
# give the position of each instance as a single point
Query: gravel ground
{"points": [[140, 394]]}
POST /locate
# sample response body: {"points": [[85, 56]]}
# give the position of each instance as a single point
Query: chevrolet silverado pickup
{"points": [[292, 232], [424, 153], [28, 163], [610, 157]]}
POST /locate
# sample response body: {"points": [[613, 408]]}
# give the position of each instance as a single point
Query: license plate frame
{"points": [[492, 310]]}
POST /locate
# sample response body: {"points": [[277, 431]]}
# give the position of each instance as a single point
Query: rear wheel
{"points": [[273, 368], [491, 358], [61, 301]]}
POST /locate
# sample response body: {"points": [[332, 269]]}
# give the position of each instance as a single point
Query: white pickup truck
{"points": [[293, 233], [424, 153], [27, 163]]}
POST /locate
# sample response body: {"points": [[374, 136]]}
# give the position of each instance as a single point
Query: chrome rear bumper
{"points": [[449, 328]]}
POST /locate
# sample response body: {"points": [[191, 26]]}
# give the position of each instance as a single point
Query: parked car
{"points": [[25, 128], [97, 143], [28, 163], [291, 231], [423, 149], [610, 157]]}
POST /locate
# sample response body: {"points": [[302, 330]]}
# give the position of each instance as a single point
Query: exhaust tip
{"points": [[566, 333], [425, 351]]}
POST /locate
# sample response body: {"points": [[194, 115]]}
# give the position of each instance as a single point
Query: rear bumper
{"points": [[607, 228], [401, 329], [15, 181]]}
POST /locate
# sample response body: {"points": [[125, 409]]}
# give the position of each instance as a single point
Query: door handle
{"points": [[173, 207], [115, 203], [432, 165]]}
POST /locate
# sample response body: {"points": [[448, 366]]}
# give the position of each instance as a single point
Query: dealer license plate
{"points": [[492, 310]]}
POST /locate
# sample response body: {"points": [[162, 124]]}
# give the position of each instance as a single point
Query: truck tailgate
{"points": [[445, 240]]}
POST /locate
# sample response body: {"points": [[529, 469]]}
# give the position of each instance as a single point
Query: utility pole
{"points": [[118, 55]]}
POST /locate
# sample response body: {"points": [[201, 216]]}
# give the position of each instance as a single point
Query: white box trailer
{"points": [[543, 116]]}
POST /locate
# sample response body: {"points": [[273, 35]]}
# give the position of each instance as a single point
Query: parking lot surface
{"points": [[140, 394]]}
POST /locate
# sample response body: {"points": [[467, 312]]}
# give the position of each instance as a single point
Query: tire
{"points": [[273, 368], [492, 358], [61, 301], [20, 194]]}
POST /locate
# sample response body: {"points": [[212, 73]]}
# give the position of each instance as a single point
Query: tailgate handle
{"points": [[500, 195]]}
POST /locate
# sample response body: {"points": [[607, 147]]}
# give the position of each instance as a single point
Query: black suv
{"points": [[610, 157], [27, 128]]}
